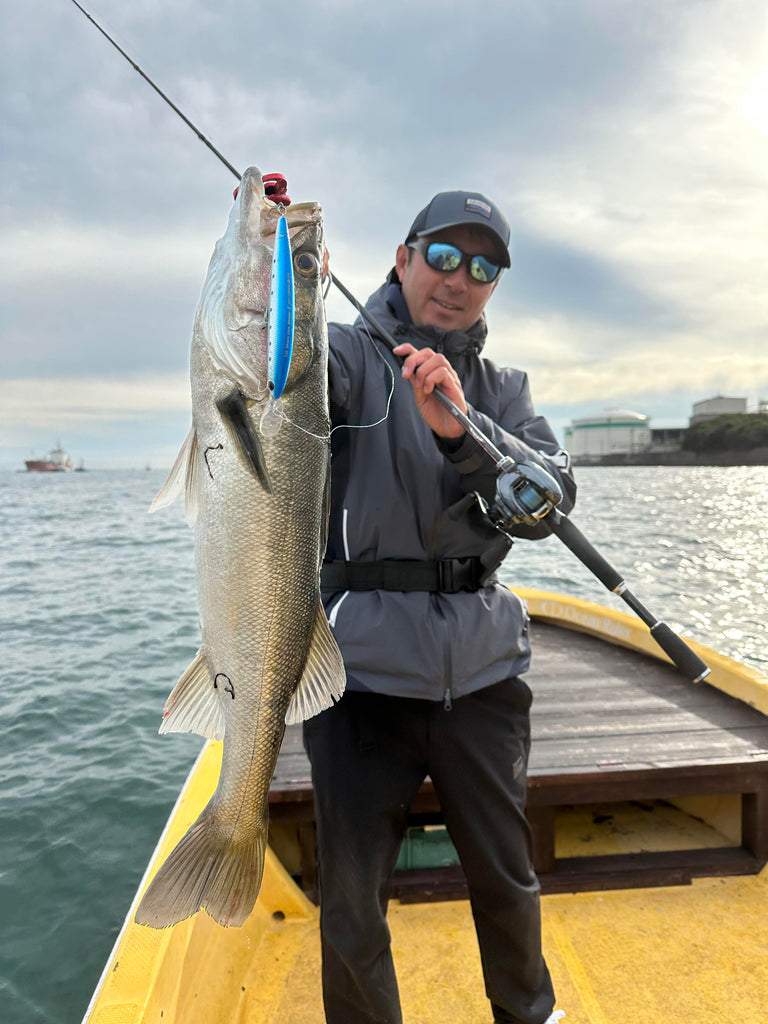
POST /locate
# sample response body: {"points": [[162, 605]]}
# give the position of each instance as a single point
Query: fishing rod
{"points": [[160, 92], [525, 492]]}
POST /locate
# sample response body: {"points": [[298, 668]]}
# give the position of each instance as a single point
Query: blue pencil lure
{"points": [[281, 312]]}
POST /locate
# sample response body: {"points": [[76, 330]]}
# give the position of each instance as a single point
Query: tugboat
{"points": [[56, 461]]}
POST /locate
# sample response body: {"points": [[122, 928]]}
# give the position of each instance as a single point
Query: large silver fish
{"points": [[255, 475]]}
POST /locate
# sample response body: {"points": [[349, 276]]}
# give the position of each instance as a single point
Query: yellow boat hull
{"points": [[693, 953]]}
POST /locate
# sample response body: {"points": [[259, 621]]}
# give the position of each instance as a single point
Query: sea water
{"points": [[98, 618]]}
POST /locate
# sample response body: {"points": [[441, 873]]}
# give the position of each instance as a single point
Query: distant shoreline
{"points": [[755, 457]]}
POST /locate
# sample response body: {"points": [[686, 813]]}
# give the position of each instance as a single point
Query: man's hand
{"points": [[427, 370]]}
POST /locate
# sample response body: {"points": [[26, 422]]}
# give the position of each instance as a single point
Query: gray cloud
{"points": [[612, 132], [549, 275]]}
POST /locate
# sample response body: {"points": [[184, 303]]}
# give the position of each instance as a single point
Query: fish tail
{"points": [[206, 869]]}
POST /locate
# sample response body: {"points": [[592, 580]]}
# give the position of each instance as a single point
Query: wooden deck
{"points": [[610, 726]]}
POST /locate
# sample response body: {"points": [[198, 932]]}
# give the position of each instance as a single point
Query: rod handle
{"points": [[574, 539], [678, 651]]}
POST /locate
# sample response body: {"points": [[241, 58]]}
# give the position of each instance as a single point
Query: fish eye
{"points": [[306, 263]]}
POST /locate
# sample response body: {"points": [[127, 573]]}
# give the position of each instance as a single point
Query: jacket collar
{"points": [[388, 306]]}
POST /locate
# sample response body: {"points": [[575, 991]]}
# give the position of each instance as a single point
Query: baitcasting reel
{"points": [[525, 493]]}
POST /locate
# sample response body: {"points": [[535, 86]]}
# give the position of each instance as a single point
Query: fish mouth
{"points": [[234, 304], [259, 215], [298, 216]]}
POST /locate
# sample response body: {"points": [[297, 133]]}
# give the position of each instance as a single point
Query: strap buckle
{"points": [[456, 574]]}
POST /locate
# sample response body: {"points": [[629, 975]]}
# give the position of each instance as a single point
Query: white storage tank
{"points": [[615, 432], [718, 406]]}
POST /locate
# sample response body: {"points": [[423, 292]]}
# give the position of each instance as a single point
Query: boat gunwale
{"points": [[618, 628], [621, 629], [151, 866]]}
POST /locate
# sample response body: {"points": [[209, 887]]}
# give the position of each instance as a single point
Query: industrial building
{"points": [[615, 432], [717, 406], [620, 435]]}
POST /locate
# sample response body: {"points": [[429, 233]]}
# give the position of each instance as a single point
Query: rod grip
{"points": [[686, 660], [574, 539]]}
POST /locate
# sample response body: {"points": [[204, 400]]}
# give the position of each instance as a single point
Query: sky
{"points": [[626, 140]]}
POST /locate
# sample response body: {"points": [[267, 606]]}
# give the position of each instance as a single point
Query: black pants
{"points": [[369, 755]]}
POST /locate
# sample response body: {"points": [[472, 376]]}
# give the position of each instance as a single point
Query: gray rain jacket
{"points": [[398, 492]]}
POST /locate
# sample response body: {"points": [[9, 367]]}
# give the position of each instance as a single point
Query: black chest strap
{"points": [[444, 576]]}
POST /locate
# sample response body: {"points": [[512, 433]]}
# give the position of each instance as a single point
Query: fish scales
{"points": [[255, 474]]}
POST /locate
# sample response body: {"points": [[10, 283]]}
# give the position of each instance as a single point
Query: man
{"points": [[433, 646]]}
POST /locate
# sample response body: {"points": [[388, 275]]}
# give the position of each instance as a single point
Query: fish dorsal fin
{"points": [[323, 679], [193, 705], [184, 476]]}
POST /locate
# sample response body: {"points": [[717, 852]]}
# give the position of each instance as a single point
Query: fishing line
{"points": [[160, 93], [367, 426], [278, 410], [304, 430]]}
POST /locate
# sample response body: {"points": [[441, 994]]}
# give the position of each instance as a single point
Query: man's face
{"points": [[452, 300]]}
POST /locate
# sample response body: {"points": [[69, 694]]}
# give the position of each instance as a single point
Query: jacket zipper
{"points": [[345, 541]]}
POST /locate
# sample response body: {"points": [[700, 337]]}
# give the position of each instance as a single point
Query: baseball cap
{"points": [[449, 209]]}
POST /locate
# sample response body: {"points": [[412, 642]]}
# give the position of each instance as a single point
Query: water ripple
{"points": [[98, 618], [691, 543]]}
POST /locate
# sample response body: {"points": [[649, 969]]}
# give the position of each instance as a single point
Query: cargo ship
{"points": [[56, 461]]}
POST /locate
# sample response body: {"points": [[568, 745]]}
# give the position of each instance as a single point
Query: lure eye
{"points": [[306, 263]]}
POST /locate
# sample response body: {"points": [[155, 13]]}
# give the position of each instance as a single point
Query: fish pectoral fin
{"points": [[193, 705], [182, 477], [234, 412], [323, 679]]}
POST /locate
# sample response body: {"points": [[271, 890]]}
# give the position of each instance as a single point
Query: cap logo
{"points": [[478, 206]]}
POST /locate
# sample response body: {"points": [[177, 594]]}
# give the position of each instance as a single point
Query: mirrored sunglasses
{"points": [[447, 258]]}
